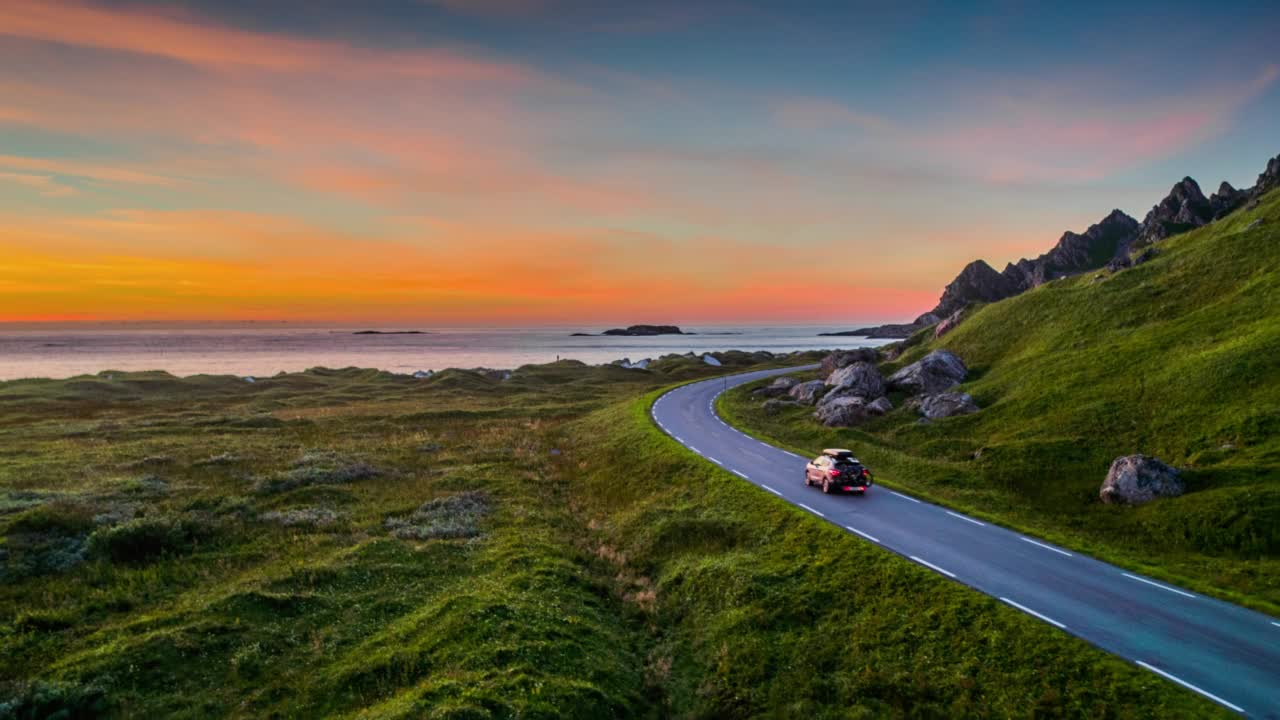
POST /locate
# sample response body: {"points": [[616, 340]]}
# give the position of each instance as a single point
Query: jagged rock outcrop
{"points": [[1184, 208], [1269, 179], [807, 392], [1075, 253], [860, 378], [844, 358], [947, 404], [1226, 200], [938, 371], [1138, 479]]}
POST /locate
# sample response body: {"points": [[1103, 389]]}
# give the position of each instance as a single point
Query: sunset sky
{"points": [[505, 162]]}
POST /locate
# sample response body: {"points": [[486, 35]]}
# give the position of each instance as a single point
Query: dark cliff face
{"points": [[1185, 208], [1269, 179]]}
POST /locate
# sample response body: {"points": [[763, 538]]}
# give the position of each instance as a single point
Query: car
{"points": [[837, 469]]}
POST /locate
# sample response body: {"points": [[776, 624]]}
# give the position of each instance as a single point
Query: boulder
{"points": [[1138, 479], [947, 325], [1145, 255], [947, 404], [776, 405], [939, 370], [842, 411], [710, 360], [1253, 225], [780, 386], [807, 392], [879, 406], [845, 358], [863, 378]]}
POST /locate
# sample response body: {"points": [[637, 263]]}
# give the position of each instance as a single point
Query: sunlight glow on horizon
{"points": [[179, 163]]}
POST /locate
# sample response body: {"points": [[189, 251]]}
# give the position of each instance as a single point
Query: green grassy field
{"points": [[1177, 358], [358, 544]]}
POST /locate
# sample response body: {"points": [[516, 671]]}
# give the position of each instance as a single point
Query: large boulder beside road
{"points": [[1138, 479], [808, 392], [842, 410], [938, 371], [863, 378], [947, 404]]}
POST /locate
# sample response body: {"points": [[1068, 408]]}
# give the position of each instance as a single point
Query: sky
{"points": [[526, 162]]}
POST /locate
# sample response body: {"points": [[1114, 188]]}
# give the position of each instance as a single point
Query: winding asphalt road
{"points": [[1226, 653]]}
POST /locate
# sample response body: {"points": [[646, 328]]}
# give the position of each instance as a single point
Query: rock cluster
{"points": [[854, 390], [1138, 479]]}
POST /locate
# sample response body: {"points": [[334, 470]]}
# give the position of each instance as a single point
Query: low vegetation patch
{"points": [[452, 517]]}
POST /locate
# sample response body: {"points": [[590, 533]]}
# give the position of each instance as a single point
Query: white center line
{"points": [[966, 519], [905, 497], [1046, 547], [775, 492], [931, 566], [1191, 687], [1162, 587], [1029, 611], [815, 512], [869, 537]]}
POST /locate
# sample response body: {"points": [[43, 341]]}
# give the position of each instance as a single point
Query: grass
{"points": [[357, 544], [1177, 358]]}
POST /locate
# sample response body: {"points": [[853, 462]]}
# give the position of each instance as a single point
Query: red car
{"points": [[837, 469]]}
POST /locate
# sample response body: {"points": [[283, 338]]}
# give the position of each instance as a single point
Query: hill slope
{"points": [[1178, 357]]}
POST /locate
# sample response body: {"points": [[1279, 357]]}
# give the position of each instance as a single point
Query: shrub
{"points": [[452, 517], [311, 516], [144, 539], [317, 467]]}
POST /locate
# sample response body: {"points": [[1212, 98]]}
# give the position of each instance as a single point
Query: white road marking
{"points": [[966, 519], [1191, 687], [815, 512], [1046, 547], [905, 497], [1162, 587], [680, 439], [775, 492], [1273, 622], [869, 537], [695, 449], [1029, 611], [930, 565], [741, 475], [714, 460]]}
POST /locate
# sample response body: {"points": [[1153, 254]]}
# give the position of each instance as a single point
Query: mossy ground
{"points": [[358, 544], [1177, 358]]}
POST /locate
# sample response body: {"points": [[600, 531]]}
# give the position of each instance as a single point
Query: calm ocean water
{"points": [[64, 353]]}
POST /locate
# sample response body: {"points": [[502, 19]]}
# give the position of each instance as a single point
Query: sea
{"points": [[27, 352]]}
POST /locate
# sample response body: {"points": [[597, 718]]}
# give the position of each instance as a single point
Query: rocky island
{"points": [[639, 331]]}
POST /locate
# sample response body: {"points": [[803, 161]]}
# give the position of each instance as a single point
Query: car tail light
{"points": [[835, 473]]}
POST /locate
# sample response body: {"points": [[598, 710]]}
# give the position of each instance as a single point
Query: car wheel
{"points": [[826, 485]]}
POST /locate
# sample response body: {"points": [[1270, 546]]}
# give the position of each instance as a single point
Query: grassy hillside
{"points": [[1178, 358], [358, 544]]}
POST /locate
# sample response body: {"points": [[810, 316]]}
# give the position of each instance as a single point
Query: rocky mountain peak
{"points": [[978, 282], [1183, 209], [1270, 178]]}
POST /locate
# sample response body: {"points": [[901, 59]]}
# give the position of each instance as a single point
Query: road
{"points": [[1226, 653]]}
